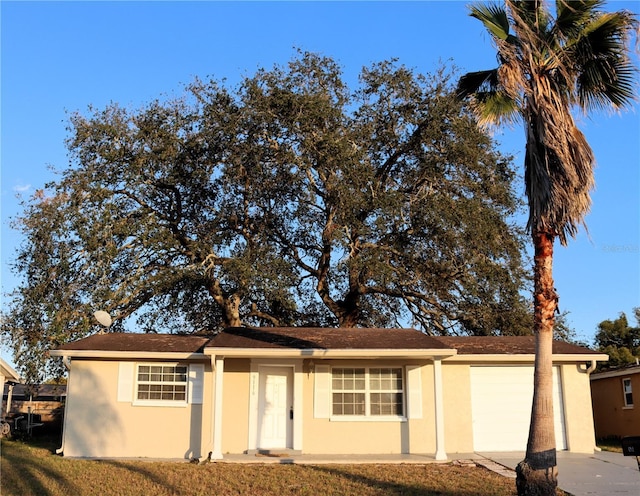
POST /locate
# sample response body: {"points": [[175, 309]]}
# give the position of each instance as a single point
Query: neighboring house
{"points": [[616, 402], [9, 376], [316, 391], [44, 400]]}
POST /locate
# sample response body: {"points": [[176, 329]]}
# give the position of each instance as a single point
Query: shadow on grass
{"points": [[394, 488], [23, 472], [138, 470]]}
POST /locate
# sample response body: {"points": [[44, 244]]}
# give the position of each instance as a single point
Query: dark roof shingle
{"points": [[507, 345], [304, 338], [122, 341], [324, 338]]}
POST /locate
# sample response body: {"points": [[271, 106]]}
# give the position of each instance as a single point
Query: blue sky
{"points": [[61, 57]]}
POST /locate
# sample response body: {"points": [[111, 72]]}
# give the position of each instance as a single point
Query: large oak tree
{"points": [[287, 200]]}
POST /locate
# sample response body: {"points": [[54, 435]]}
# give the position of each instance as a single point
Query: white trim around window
{"points": [[627, 392], [161, 384], [367, 393]]}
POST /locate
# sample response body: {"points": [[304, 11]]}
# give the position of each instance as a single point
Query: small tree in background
{"points": [[619, 340]]}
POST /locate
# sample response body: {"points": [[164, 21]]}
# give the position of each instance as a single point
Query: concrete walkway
{"points": [[600, 474]]}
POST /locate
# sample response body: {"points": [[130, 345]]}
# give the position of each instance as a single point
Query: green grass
{"points": [[29, 469], [610, 444]]}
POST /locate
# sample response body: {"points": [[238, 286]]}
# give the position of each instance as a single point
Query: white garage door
{"points": [[501, 400]]}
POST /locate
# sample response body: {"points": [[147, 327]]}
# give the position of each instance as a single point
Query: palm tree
{"points": [[549, 65]]}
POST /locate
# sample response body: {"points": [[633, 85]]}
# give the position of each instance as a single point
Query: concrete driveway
{"points": [[600, 474]]}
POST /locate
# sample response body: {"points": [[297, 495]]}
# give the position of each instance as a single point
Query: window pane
{"points": [[348, 403], [378, 391], [162, 382], [347, 379], [386, 403], [628, 392]]}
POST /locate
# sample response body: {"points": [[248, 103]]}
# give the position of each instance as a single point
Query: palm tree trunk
{"points": [[537, 473]]}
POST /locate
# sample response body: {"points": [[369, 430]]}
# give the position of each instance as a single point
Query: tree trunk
{"points": [[537, 473], [348, 318], [229, 304]]}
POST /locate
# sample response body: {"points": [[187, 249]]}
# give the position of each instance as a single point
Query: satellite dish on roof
{"points": [[103, 318]]}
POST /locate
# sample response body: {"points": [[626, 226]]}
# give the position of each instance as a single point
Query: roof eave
{"points": [[130, 355], [615, 373], [9, 373], [327, 354], [525, 357]]}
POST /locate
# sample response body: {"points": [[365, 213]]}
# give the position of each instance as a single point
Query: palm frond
{"points": [[546, 66], [494, 18], [571, 16], [602, 85], [479, 81], [605, 75], [530, 13], [496, 109]]}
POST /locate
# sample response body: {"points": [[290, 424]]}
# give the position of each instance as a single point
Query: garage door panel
{"points": [[501, 400]]}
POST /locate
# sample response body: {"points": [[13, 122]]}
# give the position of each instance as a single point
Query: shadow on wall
{"points": [[92, 427], [195, 436]]}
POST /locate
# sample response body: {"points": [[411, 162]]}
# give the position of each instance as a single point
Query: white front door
{"points": [[275, 408]]}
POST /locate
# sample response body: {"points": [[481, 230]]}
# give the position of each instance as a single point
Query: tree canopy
{"points": [[287, 200], [618, 339]]}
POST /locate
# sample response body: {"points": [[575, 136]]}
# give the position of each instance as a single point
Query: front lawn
{"points": [[610, 444], [34, 470]]}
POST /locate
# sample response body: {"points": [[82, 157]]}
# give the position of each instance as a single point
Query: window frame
{"points": [[137, 401], [368, 391], [625, 392]]}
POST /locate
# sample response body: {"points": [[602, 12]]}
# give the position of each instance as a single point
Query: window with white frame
{"points": [[367, 391], [628, 392], [161, 383]]}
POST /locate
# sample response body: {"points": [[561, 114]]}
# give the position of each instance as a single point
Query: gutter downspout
{"points": [[588, 371], [66, 360]]}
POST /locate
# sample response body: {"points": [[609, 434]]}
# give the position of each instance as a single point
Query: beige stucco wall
{"points": [[610, 415], [458, 413], [413, 435], [235, 399], [456, 380], [322, 435], [578, 415], [97, 425], [369, 436]]}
